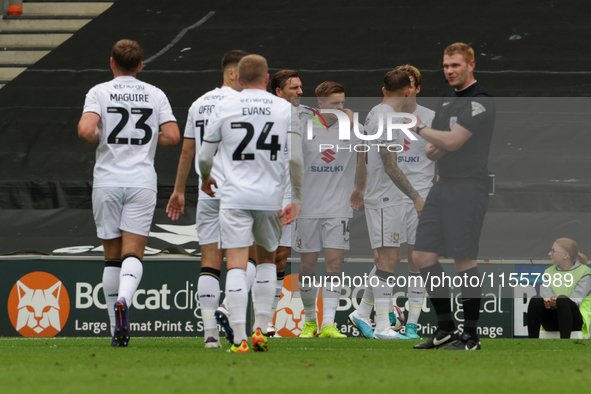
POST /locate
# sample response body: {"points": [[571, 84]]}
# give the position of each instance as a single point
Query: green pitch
{"points": [[182, 365]]}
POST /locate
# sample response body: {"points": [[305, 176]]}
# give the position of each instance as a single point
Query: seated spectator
{"points": [[565, 304]]}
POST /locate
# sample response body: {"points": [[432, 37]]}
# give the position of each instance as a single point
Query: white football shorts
{"points": [[239, 228], [412, 221], [119, 209], [311, 235], [286, 230], [386, 226], [208, 221]]}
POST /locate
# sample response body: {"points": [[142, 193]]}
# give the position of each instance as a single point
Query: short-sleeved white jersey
{"points": [[199, 115], [413, 162], [329, 171], [380, 191], [131, 113], [252, 129], [296, 115]]}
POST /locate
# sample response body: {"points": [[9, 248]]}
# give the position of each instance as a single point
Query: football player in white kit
{"points": [[208, 285], [251, 130], [324, 220], [420, 172], [128, 118], [384, 205], [288, 85]]}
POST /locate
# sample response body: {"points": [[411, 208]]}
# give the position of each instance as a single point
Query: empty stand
{"points": [[43, 25]]}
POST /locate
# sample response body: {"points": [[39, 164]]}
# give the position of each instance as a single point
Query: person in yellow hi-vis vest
{"points": [[564, 303]]}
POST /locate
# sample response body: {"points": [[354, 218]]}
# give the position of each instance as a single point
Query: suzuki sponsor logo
{"points": [[406, 145], [328, 156], [327, 169], [408, 159]]}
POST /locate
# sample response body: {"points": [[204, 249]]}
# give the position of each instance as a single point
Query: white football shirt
{"points": [[199, 115], [380, 191], [413, 162], [296, 115], [329, 171], [131, 113], [252, 127]]}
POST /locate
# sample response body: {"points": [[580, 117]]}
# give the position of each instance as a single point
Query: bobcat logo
{"points": [[289, 318], [38, 305]]}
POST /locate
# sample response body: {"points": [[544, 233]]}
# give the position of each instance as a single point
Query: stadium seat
{"points": [[556, 335]]}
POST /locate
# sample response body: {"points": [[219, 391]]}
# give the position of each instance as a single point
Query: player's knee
{"points": [[281, 258], [418, 259], [281, 264], [307, 268], [333, 266]]}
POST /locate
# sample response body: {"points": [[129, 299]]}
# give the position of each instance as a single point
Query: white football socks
{"points": [[237, 296], [130, 277], [366, 306], [416, 296], [330, 301], [382, 298], [278, 291], [110, 290], [251, 271], [263, 292], [308, 293], [208, 288]]}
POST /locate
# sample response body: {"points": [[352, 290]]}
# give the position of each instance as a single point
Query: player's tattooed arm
{"points": [[361, 174], [390, 161]]}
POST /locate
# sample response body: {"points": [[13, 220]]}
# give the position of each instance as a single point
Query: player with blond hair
{"points": [[324, 221], [381, 185]]}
